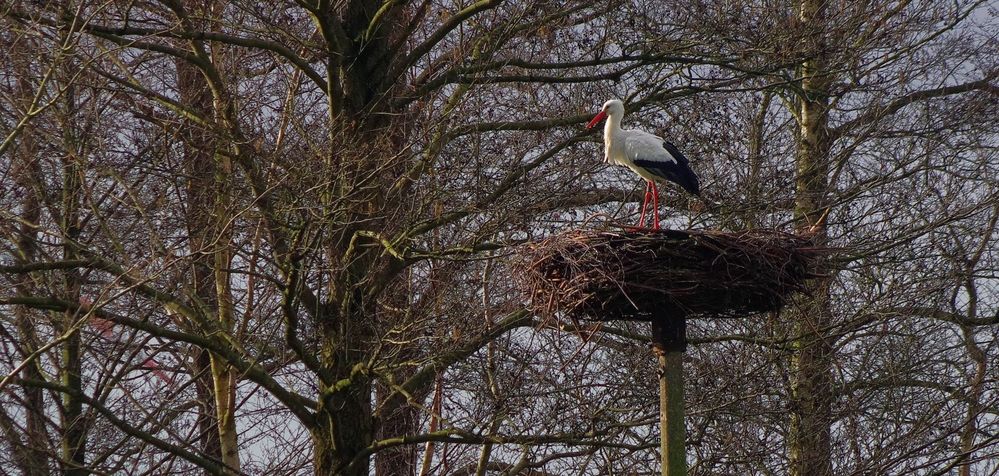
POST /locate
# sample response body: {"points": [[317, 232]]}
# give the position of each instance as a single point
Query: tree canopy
{"points": [[274, 237]]}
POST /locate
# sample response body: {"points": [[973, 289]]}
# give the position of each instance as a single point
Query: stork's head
{"points": [[613, 108]]}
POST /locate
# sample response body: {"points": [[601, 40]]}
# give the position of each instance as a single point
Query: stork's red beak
{"points": [[596, 119]]}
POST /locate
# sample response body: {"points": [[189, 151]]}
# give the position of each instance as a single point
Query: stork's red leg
{"points": [[655, 206], [645, 202]]}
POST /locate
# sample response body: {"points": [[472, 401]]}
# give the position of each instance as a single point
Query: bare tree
{"points": [[269, 238]]}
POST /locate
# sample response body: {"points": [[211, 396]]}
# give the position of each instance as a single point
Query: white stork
{"points": [[650, 156]]}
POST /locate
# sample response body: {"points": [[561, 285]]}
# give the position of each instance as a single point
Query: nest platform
{"points": [[636, 275]]}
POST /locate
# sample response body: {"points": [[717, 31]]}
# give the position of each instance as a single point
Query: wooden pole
{"points": [[669, 342]]}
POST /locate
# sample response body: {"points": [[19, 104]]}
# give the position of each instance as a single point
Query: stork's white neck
{"points": [[612, 125]]}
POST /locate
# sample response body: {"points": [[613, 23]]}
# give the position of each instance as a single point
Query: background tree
{"points": [[272, 237]]}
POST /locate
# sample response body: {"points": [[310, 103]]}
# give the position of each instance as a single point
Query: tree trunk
{"points": [[30, 453], [74, 424], [225, 402], [975, 407], [223, 376], [811, 392], [210, 238], [342, 432], [208, 428]]}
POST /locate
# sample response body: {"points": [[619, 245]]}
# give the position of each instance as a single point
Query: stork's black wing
{"points": [[676, 170]]}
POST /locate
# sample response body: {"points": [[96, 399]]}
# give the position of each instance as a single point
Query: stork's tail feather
{"points": [[687, 180], [692, 186]]}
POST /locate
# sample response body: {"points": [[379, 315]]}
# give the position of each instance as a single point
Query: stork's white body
{"points": [[624, 146], [648, 155]]}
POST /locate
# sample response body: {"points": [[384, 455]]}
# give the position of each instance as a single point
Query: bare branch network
{"points": [[273, 238]]}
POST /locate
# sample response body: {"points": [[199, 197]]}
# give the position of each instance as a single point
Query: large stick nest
{"points": [[632, 275]]}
